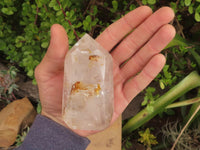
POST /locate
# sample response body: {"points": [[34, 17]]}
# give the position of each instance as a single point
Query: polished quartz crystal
{"points": [[88, 86]]}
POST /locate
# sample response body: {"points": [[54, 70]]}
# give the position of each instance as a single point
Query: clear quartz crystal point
{"points": [[88, 97]]}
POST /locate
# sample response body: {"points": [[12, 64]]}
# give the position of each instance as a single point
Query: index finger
{"points": [[116, 31]]}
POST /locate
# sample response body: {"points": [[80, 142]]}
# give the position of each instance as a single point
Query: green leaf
{"points": [[177, 41], [8, 2], [151, 2], [144, 2], [162, 85], [19, 41], [188, 2], [88, 18], [150, 90], [13, 72], [58, 13], [39, 107], [2, 45], [173, 5], [18, 45], [7, 11], [95, 10], [190, 9], [11, 88], [39, 3], [71, 13], [132, 7], [78, 25], [145, 101], [1, 34], [34, 82], [56, 7], [170, 112], [52, 3], [44, 44], [150, 108], [198, 9], [166, 73], [94, 23], [30, 73], [197, 16], [115, 4]]}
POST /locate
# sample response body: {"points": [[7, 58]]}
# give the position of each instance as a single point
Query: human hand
{"points": [[151, 33]]}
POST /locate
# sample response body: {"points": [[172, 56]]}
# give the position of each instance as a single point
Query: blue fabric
{"points": [[45, 134]]}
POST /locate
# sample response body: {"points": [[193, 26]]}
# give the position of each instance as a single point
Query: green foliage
{"points": [[166, 78], [115, 6], [147, 138], [7, 7], [39, 108], [192, 7], [25, 25], [149, 98], [21, 137], [25, 38], [25, 35], [197, 13], [188, 2], [88, 23], [150, 2], [127, 144], [7, 84]]}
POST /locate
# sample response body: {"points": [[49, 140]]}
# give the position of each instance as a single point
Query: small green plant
{"points": [[149, 2], [147, 138], [149, 98], [190, 82], [115, 6], [166, 79], [187, 6], [126, 144], [39, 107], [21, 137], [193, 8], [7, 84]]}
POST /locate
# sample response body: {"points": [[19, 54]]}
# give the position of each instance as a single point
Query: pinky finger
{"points": [[140, 81]]}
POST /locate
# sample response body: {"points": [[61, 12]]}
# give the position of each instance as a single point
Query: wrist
{"points": [[55, 118], [58, 119]]}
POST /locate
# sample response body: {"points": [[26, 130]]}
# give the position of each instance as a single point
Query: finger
{"points": [[116, 31], [139, 82], [153, 47], [53, 61], [142, 34]]}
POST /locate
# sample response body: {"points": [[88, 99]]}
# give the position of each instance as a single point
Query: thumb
{"points": [[53, 61]]}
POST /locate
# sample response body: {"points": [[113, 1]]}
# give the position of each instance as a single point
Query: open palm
{"points": [[150, 34]]}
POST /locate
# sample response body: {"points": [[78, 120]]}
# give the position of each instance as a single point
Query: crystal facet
{"points": [[88, 86]]}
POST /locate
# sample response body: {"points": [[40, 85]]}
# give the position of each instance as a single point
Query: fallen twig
{"points": [[198, 108], [36, 16]]}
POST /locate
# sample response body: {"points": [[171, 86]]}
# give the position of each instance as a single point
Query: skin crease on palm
{"points": [[151, 33]]}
